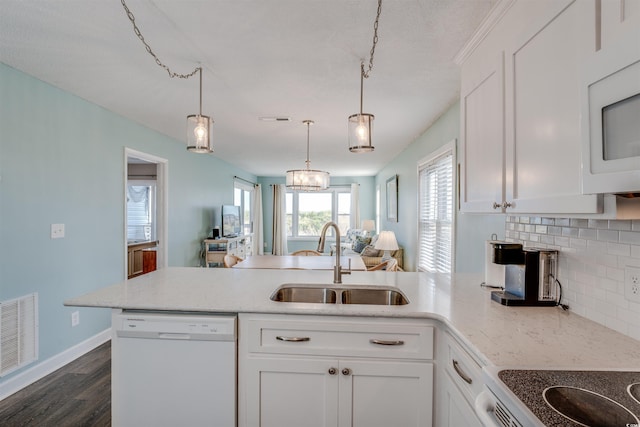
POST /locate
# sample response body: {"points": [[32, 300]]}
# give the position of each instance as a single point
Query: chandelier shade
{"points": [[199, 129], [360, 130], [307, 179], [199, 133]]}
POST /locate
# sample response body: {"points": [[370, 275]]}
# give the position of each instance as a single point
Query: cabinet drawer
{"points": [[464, 371], [311, 335]]}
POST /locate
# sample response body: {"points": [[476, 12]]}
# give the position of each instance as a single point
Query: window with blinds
{"points": [[435, 211]]}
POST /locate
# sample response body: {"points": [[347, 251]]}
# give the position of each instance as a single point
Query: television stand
{"points": [[216, 249]]}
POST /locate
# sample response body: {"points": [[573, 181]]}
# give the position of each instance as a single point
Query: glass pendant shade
{"points": [[360, 130], [307, 180], [199, 133]]}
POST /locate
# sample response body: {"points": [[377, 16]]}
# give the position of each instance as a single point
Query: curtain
{"points": [[354, 221], [279, 246], [258, 233]]}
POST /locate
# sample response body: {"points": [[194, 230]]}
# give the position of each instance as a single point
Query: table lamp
{"points": [[368, 225], [386, 242]]}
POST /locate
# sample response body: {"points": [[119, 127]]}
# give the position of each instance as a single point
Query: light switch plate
{"points": [[57, 231]]}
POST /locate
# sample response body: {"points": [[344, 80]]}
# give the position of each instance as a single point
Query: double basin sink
{"points": [[339, 294]]}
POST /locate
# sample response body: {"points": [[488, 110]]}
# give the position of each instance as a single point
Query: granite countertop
{"points": [[533, 337]]}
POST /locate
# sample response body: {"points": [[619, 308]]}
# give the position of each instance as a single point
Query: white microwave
{"points": [[611, 119]]}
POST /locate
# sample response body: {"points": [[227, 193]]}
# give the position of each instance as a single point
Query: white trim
{"points": [[162, 192], [490, 21], [41, 370]]}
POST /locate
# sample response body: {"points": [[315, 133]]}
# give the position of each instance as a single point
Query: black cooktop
{"points": [[587, 398]]}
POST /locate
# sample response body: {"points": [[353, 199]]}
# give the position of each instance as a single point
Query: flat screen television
{"points": [[230, 221]]}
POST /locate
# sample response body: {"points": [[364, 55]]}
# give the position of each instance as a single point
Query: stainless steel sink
{"points": [[304, 294], [343, 294], [374, 296]]}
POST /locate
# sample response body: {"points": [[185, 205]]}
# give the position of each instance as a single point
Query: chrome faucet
{"points": [[337, 269]]}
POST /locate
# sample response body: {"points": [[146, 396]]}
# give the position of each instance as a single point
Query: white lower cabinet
{"points": [[452, 410], [458, 382], [319, 371]]}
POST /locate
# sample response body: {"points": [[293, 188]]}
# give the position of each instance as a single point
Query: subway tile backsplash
{"points": [[592, 261]]}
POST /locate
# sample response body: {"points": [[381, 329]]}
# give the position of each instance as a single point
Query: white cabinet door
{"points": [[543, 101], [482, 136], [452, 408], [282, 392], [382, 394]]}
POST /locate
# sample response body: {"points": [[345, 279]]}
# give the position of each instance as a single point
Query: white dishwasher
{"points": [[173, 369]]}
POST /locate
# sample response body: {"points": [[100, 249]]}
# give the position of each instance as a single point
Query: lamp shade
{"points": [[307, 180], [199, 133], [387, 241], [368, 225], [360, 130]]}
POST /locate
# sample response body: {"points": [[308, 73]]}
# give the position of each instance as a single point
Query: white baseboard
{"points": [[33, 374]]}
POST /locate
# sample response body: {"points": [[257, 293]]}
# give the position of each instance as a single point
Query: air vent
{"points": [[275, 119], [18, 332], [504, 417]]}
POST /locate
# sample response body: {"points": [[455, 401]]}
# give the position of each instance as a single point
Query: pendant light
{"points": [[198, 125], [361, 124], [307, 179], [199, 129]]}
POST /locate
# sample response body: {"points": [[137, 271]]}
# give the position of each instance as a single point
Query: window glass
{"points": [[141, 211], [308, 212], [243, 197]]}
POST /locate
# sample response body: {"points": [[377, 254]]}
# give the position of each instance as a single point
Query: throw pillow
{"points": [[370, 251], [360, 243]]}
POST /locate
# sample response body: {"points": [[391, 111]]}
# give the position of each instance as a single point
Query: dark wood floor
{"points": [[78, 394]]}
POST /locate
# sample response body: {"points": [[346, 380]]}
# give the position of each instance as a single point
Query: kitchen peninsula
{"points": [[491, 334]]}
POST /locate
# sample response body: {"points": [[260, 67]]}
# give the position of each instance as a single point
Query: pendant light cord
{"points": [[375, 42], [146, 45]]}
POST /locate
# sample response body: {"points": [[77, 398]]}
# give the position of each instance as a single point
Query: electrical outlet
{"points": [[75, 318], [632, 283], [57, 231]]}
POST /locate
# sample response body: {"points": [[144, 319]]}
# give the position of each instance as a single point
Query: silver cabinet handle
{"points": [[496, 205], [346, 371], [460, 372], [507, 205], [332, 371], [385, 342], [293, 339]]}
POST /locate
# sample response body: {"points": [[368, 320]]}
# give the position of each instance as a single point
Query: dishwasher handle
{"points": [[485, 407]]}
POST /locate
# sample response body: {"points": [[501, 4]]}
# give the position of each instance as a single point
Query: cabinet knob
{"points": [[507, 205], [496, 205], [346, 371], [332, 371]]}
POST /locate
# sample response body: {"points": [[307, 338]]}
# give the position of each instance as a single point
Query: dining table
{"points": [[294, 262]]}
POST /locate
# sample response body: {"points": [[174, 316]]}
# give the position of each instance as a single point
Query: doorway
{"points": [[145, 205]]}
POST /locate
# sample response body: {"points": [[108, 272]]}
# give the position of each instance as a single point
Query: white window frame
{"points": [[243, 186], [434, 157], [335, 191]]}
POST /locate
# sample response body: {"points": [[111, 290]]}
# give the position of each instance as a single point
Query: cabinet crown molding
{"points": [[493, 17]]}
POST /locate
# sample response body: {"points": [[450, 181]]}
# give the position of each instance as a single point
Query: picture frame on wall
{"points": [[392, 199]]}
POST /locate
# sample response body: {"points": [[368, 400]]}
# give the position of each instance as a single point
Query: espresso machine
{"points": [[529, 274]]}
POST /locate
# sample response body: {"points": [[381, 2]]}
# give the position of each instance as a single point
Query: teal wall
{"points": [[367, 207], [62, 161], [471, 230]]}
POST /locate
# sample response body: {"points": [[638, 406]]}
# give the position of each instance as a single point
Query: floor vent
{"points": [[18, 332]]}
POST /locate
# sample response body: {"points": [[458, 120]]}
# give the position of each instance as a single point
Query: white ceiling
{"points": [[293, 58]]}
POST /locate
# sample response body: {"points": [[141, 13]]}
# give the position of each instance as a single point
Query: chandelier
{"points": [[307, 179], [198, 125], [361, 124]]}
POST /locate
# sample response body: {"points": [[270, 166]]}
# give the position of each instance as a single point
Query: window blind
{"points": [[435, 213]]}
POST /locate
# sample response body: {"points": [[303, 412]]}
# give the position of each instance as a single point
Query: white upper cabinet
{"points": [[532, 108], [482, 135]]}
